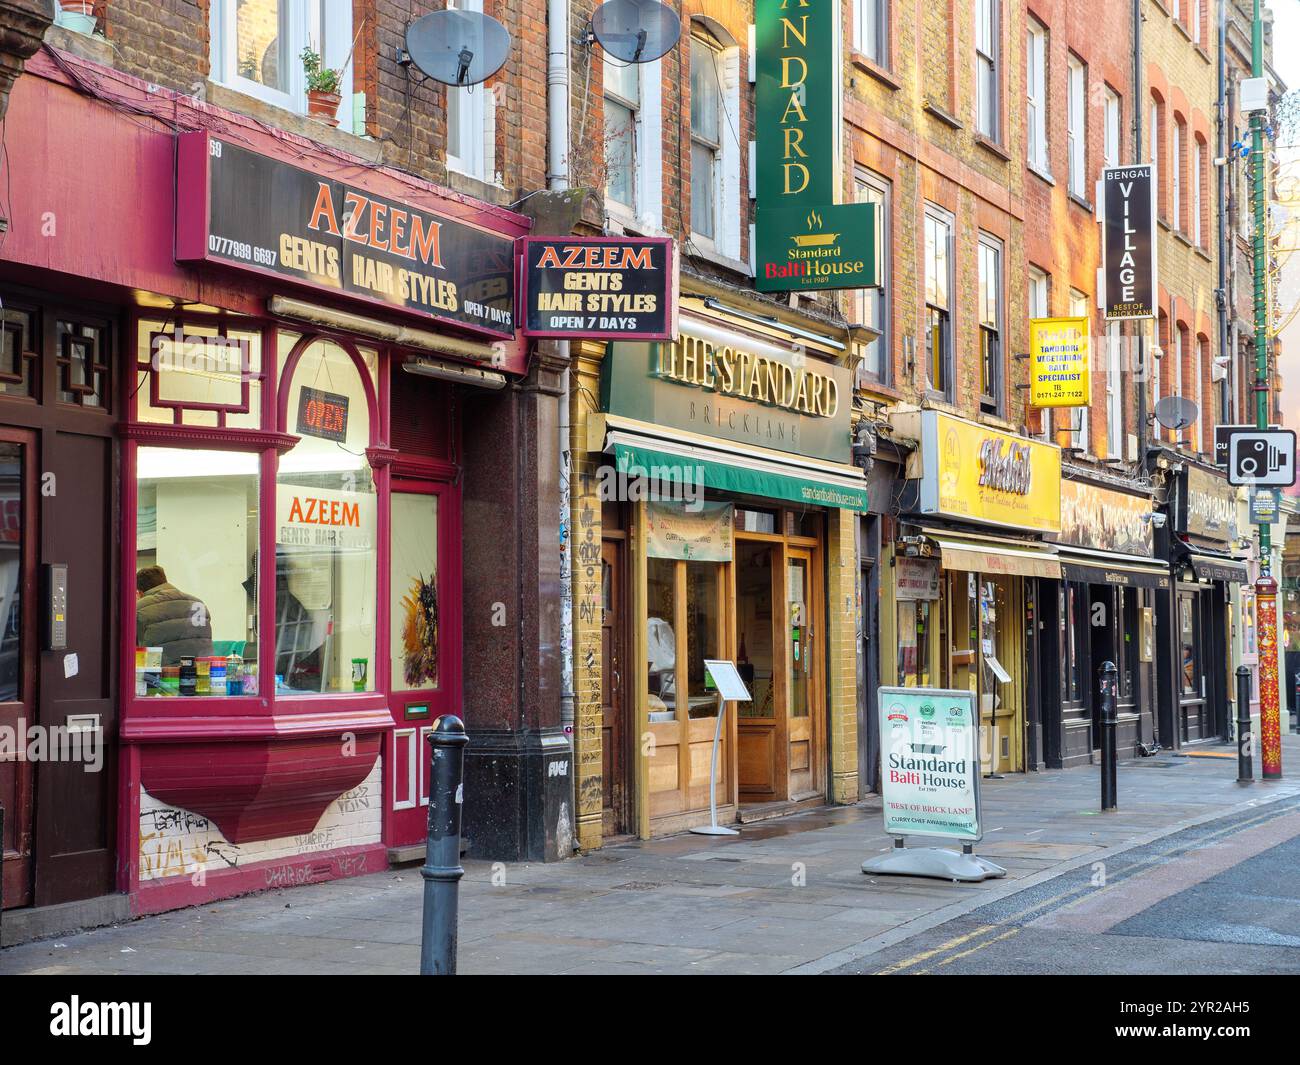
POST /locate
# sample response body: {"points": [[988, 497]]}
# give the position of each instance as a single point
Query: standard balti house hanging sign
{"points": [[244, 210], [804, 237]]}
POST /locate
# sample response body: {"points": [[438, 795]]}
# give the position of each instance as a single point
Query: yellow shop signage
{"points": [[979, 474]]}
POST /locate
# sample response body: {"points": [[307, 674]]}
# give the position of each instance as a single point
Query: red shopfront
{"points": [[285, 447]]}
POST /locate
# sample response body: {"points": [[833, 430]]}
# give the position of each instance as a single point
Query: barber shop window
{"points": [[325, 532], [196, 572]]}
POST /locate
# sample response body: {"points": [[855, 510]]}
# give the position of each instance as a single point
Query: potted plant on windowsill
{"points": [[77, 15], [322, 88]]}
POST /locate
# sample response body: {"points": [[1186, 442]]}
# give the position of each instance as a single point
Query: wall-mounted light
{"points": [[449, 371]]}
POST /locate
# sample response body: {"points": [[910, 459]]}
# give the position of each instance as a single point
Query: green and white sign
{"points": [[929, 756], [804, 237]]}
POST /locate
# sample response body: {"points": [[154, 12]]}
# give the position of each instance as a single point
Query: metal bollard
{"points": [[1109, 753], [442, 869], [1245, 741]]}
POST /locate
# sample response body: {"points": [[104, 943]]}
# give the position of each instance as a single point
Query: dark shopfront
{"points": [[1102, 610], [1194, 618], [317, 467]]}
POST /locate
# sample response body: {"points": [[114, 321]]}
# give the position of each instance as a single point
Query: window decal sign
{"points": [[241, 209]]}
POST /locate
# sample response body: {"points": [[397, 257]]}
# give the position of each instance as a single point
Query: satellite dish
{"points": [[1176, 413], [457, 47], [636, 31]]}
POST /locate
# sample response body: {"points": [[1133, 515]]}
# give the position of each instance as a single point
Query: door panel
{"points": [[614, 734], [761, 664], [17, 613], [803, 653], [76, 803]]}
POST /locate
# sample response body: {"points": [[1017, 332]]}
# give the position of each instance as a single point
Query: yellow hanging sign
{"points": [[1060, 350]]}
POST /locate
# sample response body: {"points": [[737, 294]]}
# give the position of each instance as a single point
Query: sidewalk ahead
{"points": [[787, 895]]}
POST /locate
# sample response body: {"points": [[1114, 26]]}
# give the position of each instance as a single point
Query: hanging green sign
{"points": [[826, 247], [796, 45]]}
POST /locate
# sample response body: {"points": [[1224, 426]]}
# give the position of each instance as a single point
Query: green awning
{"points": [[843, 486]]}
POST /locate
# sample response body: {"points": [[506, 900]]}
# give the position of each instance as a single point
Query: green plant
{"points": [[319, 79]]}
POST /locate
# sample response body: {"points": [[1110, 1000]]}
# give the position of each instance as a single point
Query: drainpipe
{"points": [[1221, 152], [557, 180], [1139, 108]]}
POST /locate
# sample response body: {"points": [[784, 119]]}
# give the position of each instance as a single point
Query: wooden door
{"points": [[803, 639], [18, 589], [616, 791], [760, 728]]}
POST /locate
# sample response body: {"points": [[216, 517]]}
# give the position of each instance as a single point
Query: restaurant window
{"points": [[990, 316], [871, 30], [988, 102], [938, 287], [706, 135], [661, 638], [704, 635], [256, 48], [871, 305], [1076, 126], [1036, 93], [18, 348], [196, 572], [622, 132], [325, 592], [1071, 629]]}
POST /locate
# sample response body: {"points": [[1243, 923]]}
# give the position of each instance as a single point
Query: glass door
{"points": [[803, 653], [422, 649]]}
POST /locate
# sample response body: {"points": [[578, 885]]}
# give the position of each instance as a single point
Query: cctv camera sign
{"points": [[1128, 241], [930, 763]]}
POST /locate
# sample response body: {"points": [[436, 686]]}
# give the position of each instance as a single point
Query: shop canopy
{"points": [[996, 555], [1109, 567], [1219, 568], [659, 455]]}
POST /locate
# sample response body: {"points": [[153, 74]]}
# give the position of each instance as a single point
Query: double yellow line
{"points": [[1059, 901]]}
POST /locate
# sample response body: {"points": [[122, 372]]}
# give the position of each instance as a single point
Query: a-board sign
{"points": [[929, 755], [727, 678]]}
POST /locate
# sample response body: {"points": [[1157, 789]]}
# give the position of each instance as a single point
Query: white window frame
{"points": [[613, 206], [1039, 298], [1198, 163], [1036, 95], [869, 180], [1154, 143], [1196, 21], [727, 187], [1115, 342], [1176, 185], [872, 14], [1076, 126], [476, 120], [948, 357], [991, 250], [1113, 136], [1081, 307], [987, 25], [306, 22]]}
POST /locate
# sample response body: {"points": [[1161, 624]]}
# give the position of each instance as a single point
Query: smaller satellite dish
{"points": [[1176, 413], [636, 31], [457, 47]]}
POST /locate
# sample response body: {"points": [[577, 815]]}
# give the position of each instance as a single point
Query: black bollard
{"points": [[1245, 741], [442, 869], [1109, 754]]}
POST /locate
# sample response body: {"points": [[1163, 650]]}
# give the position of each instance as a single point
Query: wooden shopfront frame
{"points": [[664, 810]]}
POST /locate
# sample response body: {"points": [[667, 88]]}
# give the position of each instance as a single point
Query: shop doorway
{"points": [[1193, 705], [1002, 673], [17, 659], [615, 734], [778, 615]]}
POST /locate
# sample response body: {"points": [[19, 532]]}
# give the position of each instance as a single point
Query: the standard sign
{"points": [[930, 762], [1263, 457], [1128, 241]]}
